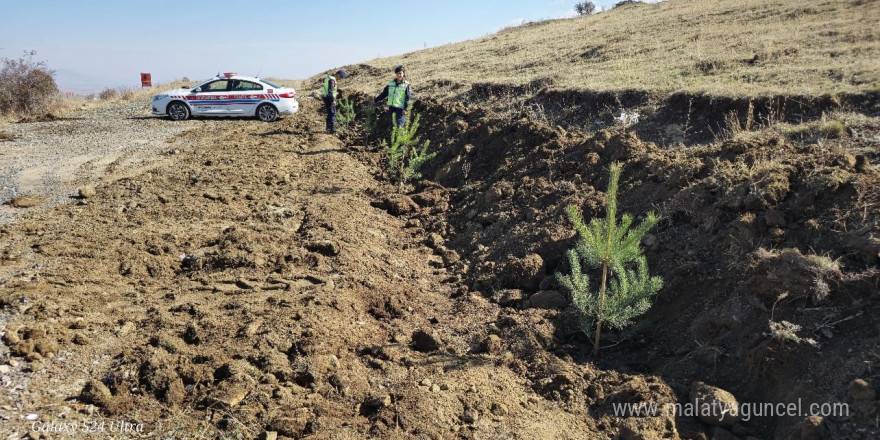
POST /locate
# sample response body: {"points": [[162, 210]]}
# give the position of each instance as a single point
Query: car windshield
{"points": [[273, 85], [203, 83]]}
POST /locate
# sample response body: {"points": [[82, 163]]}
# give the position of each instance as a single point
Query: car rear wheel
{"points": [[267, 113], [178, 111]]}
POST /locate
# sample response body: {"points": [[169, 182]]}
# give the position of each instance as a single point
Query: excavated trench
{"points": [[768, 246], [276, 281]]}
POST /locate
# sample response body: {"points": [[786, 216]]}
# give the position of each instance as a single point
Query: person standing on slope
{"points": [[329, 93], [398, 94]]}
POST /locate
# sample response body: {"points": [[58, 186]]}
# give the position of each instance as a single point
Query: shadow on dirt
{"points": [[48, 117], [320, 152], [274, 133]]}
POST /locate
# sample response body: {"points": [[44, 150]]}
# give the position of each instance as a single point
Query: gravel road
{"points": [[50, 160]]}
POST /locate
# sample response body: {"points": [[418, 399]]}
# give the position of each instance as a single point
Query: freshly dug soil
{"points": [[758, 233], [269, 278]]}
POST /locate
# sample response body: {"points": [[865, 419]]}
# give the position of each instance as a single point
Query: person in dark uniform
{"points": [[398, 93], [329, 93]]}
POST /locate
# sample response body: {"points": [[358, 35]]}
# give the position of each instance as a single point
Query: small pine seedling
{"points": [[405, 154], [613, 248], [346, 112], [368, 112]]}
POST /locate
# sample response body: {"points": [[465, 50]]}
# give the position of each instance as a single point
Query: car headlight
{"points": [[159, 97]]}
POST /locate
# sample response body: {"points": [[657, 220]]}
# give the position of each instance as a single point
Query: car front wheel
{"points": [[178, 111], [267, 113]]}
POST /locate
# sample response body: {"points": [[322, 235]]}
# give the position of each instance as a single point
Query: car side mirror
{"points": [[197, 89]]}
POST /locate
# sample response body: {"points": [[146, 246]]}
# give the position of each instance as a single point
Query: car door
{"points": [[211, 98], [245, 97]]}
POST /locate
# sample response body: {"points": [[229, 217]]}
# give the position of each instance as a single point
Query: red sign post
{"points": [[146, 81]]}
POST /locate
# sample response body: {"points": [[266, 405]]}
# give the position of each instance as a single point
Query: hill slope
{"points": [[726, 48]]}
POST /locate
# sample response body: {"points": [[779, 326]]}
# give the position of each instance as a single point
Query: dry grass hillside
{"points": [[721, 47]]}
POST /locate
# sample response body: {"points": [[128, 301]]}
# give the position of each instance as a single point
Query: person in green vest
{"points": [[398, 94], [329, 93]]}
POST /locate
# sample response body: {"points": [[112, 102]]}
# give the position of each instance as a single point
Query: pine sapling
{"points": [[395, 149], [406, 153], [626, 286], [346, 112], [369, 120], [417, 158]]}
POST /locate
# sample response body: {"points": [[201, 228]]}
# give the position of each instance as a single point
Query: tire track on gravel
{"points": [[51, 159]]}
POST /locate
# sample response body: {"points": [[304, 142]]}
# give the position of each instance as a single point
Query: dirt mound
{"points": [[758, 237], [276, 282], [664, 119], [282, 288]]}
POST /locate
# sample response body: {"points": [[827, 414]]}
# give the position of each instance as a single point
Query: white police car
{"points": [[228, 94]]}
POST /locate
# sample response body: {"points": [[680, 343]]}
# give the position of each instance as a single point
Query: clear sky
{"points": [[95, 44]]}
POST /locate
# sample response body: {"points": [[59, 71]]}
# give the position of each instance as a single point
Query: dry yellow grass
{"points": [[65, 106], [718, 47], [147, 93]]}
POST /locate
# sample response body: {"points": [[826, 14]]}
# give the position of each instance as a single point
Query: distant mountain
{"points": [[73, 81]]}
